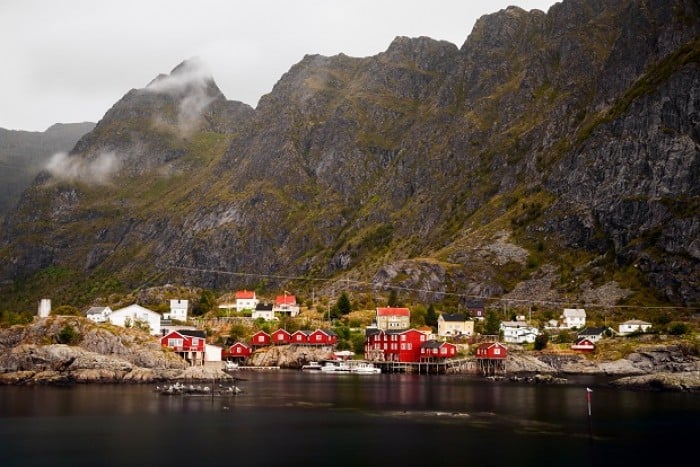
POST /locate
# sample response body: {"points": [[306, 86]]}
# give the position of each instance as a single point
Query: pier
{"points": [[462, 365]]}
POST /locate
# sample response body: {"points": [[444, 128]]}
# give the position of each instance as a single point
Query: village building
{"points": [[136, 316], [491, 358], [189, 344], [594, 334], [281, 337], [390, 318], [454, 324], [245, 300], [634, 325], [260, 339], [573, 318], [98, 314], [213, 353], [286, 304], [238, 351], [583, 345], [264, 311], [518, 332], [476, 309], [178, 310], [432, 351], [394, 345]]}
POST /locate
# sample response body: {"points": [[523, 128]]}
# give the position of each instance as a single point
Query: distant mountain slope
{"points": [[24, 153], [552, 159]]}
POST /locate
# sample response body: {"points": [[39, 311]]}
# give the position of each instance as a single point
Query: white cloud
{"points": [[96, 170]]}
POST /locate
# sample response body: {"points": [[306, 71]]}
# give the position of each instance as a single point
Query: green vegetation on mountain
{"points": [[550, 161]]}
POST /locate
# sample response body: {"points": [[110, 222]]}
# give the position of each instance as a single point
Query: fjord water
{"points": [[299, 418]]}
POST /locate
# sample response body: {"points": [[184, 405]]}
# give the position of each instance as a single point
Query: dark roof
{"points": [[372, 331], [431, 344], [329, 332], [192, 333], [454, 317], [263, 307], [592, 331], [476, 303]]}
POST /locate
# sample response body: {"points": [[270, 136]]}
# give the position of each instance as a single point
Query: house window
{"points": [[318, 337], [403, 346], [409, 346], [403, 337], [173, 342], [261, 339], [497, 351]]}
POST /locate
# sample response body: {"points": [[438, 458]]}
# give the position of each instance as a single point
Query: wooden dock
{"points": [[462, 365]]}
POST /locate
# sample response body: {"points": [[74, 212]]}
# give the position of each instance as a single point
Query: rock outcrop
{"points": [[99, 354]]}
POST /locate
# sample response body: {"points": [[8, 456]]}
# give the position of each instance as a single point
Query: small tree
{"points": [[68, 335], [343, 304], [206, 303], [431, 317], [393, 298], [492, 325], [541, 341]]}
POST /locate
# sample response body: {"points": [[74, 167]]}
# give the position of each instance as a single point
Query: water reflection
{"points": [[295, 418]]}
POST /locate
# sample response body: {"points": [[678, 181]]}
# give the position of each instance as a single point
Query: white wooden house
{"points": [[573, 318], [135, 316], [518, 332], [178, 310], [246, 300], [264, 311], [634, 325], [98, 314], [454, 324]]}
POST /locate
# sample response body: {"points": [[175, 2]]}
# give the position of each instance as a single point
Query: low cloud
{"points": [[188, 82], [97, 170]]}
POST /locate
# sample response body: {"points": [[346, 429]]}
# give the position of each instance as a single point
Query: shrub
{"points": [[68, 335]]}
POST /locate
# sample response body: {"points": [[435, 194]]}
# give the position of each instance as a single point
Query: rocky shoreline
{"points": [[104, 355]]}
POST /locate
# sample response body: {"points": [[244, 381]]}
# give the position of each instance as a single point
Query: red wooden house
{"points": [[260, 339], [300, 337], [184, 341], [492, 350], [281, 336], [396, 346], [237, 351], [189, 344], [583, 345], [491, 358], [323, 337], [434, 350]]}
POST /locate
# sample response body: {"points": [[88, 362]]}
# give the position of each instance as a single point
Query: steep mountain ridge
{"points": [[558, 150], [24, 153]]}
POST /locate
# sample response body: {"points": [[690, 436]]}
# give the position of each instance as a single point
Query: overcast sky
{"points": [[71, 60]]}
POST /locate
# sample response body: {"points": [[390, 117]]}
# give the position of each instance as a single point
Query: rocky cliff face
{"points": [[23, 154], [557, 148]]}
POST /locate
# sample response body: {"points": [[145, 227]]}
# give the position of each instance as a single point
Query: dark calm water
{"points": [[296, 418]]}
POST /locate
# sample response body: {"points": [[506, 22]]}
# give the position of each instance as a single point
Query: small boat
{"points": [[334, 366], [365, 368], [313, 366], [230, 366]]}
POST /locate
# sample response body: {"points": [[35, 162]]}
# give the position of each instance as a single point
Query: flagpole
{"points": [[590, 415]]}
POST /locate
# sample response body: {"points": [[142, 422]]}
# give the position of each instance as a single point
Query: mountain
{"points": [[551, 159], [24, 153]]}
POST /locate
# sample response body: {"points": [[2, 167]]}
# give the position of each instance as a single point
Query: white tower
{"points": [[44, 307]]}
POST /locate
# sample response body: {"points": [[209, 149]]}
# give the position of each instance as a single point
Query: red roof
{"points": [[245, 294], [286, 300], [391, 311]]}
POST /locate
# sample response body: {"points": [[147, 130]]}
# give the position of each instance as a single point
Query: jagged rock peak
{"points": [[421, 50], [191, 73]]}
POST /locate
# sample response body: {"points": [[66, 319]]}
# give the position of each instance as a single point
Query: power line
{"points": [[419, 290]]}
